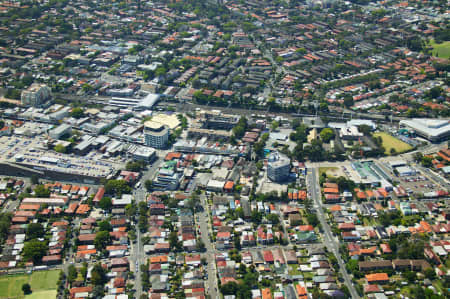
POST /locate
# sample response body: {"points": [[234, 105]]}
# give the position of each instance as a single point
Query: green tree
{"points": [[348, 101], [105, 203], [34, 250], [275, 125], [430, 273], [327, 134], [102, 239], [345, 184], [98, 275], [230, 288], [418, 157], [105, 225], [312, 219], [365, 129], [200, 245], [117, 187], [5, 223], [59, 148], [240, 128], [77, 112], [87, 87], [352, 266], [315, 151], [41, 191], [84, 270], [34, 179], [273, 218], [35, 231], [256, 217], [301, 51], [134, 166], [410, 276], [173, 241], [160, 71], [132, 235], [300, 134], [98, 291], [148, 185], [427, 161], [72, 275], [130, 210], [26, 288]]}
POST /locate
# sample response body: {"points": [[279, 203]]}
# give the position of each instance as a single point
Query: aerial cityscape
{"points": [[229, 149]]}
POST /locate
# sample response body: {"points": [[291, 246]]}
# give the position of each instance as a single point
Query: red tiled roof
{"points": [[377, 277]]}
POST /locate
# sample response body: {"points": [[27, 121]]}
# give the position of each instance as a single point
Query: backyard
{"points": [[389, 142], [43, 285]]}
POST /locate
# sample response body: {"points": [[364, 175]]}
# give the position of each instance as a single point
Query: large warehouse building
{"points": [[434, 130]]}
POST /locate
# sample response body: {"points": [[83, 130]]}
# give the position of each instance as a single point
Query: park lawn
{"points": [[441, 50], [11, 286], [47, 294], [327, 171], [390, 142]]}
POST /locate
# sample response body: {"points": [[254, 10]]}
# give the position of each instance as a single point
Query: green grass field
{"points": [[329, 171], [392, 142], [42, 294], [43, 285], [441, 50]]}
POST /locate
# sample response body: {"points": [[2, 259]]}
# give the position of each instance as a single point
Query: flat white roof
{"points": [[431, 127], [405, 169]]}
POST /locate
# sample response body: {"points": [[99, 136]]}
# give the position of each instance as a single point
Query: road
{"points": [[434, 177], [137, 255], [202, 219], [69, 256], [329, 240]]}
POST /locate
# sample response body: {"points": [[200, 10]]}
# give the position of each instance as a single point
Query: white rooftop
{"points": [[432, 127]]}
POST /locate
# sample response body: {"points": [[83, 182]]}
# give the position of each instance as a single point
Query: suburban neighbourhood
{"points": [[224, 149]]}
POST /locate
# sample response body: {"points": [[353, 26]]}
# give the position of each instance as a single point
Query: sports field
{"points": [[43, 285], [441, 50], [392, 142]]}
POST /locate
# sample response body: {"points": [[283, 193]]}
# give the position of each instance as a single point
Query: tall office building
{"points": [[156, 134], [278, 167]]}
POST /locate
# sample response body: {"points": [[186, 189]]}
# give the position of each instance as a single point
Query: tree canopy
{"points": [[77, 112], [117, 187], [102, 239], [34, 250], [41, 191], [98, 275], [105, 203], [327, 134], [59, 148], [240, 128], [105, 225], [5, 223], [35, 231]]}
